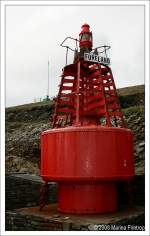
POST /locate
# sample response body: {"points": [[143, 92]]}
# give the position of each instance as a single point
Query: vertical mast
{"points": [[48, 83]]}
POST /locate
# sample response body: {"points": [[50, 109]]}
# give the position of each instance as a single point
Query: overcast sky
{"points": [[34, 34]]}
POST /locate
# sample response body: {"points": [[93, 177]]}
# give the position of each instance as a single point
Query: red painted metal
{"points": [[85, 37], [83, 154], [81, 196], [89, 149]]}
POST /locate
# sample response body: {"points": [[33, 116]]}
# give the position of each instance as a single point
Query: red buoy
{"points": [[89, 148]]}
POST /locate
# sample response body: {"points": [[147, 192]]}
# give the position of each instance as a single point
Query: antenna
{"points": [[47, 97]]}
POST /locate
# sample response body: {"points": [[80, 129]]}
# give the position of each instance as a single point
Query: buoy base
{"points": [[87, 198]]}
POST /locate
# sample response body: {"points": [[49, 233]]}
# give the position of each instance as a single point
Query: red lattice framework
{"points": [[87, 95]]}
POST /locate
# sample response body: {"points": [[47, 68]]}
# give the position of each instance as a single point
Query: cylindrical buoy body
{"points": [[87, 162]]}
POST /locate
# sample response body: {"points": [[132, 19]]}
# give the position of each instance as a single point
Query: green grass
{"points": [[134, 109], [131, 90], [29, 106]]}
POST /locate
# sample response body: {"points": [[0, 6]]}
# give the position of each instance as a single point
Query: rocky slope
{"points": [[25, 123]]}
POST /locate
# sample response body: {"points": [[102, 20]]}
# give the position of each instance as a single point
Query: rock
{"points": [[10, 158], [139, 149], [23, 170], [66, 218], [142, 144], [56, 216]]}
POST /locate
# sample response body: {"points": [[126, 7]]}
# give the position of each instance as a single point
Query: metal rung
{"points": [[66, 95], [107, 77], [95, 97], [68, 81], [108, 84], [111, 99], [96, 82], [69, 73], [111, 93], [95, 105], [67, 88]]}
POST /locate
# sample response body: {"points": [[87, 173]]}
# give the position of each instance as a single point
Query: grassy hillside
{"points": [[25, 123]]}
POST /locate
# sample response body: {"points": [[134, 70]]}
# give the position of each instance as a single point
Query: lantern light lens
{"points": [[85, 37]]}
